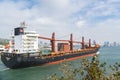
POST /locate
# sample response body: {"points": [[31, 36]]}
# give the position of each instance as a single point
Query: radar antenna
{"points": [[22, 24]]}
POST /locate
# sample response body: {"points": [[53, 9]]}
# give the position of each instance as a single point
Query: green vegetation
{"points": [[88, 70], [4, 41]]}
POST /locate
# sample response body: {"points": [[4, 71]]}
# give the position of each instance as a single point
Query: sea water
{"points": [[110, 55]]}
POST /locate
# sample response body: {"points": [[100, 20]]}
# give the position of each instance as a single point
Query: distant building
{"points": [[108, 44]]}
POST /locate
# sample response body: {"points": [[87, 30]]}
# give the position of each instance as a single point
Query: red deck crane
{"points": [[71, 41]]}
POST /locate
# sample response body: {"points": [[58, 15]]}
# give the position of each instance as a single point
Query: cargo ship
{"points": [[23, 50]]}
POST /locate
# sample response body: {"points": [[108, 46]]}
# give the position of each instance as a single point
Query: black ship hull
{"points": [[13, 61]]}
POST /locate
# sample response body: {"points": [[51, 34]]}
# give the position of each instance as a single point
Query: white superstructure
{"points": [[24, 41]]}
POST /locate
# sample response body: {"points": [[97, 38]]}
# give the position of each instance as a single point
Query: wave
{"points": [[98, 53], [4, 69]]}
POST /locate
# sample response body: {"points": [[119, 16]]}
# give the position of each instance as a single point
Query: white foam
{"points": [[4, 69], [97, 53]]}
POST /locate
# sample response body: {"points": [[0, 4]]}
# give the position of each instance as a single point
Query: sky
{"points": [[95, 19]]}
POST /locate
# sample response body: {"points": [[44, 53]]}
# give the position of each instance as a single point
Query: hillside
{"points": [[4, 41]]}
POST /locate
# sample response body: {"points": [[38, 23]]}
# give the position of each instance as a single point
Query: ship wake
{"points": [[4, 69]]}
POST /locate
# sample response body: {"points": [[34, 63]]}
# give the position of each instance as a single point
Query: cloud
{"points": [[103, 9], [80, 23], [105, 31], [88, 18]]}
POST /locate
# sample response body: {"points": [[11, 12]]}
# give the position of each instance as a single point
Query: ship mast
{"points": [[22, 24], [71, 42], [53, 42]]}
